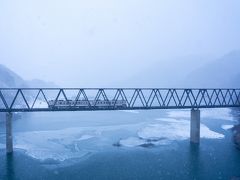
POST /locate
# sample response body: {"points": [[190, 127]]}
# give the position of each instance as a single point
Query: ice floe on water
{"points": [[130, 111], [79, 142], [174, 129], [221, 113], [64, 144], [166, 131], [132, 142], [57, 145], [85, 137], [227, 127]]}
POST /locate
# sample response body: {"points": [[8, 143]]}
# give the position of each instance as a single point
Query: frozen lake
{"points": [[149, 144]]}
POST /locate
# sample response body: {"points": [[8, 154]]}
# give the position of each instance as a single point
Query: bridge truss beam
{"points": [[48, 99], [37, 99]]}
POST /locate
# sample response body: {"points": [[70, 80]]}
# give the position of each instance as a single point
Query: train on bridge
{"points": [[108, 99], [61, 104]]}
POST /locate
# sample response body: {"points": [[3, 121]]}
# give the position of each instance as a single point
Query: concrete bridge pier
{"points": [[9, 139], [195, 126]]}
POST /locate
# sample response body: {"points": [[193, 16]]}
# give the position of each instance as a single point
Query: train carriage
{"points": [[86, 104]]}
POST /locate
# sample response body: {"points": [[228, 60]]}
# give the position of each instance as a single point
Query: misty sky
{"points": [[92, 42]]}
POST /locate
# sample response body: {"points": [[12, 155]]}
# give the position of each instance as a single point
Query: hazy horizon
{"points": [[96, 43]]}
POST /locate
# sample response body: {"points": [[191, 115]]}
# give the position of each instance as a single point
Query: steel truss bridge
{"points": [[37, 99], [48, 99]]}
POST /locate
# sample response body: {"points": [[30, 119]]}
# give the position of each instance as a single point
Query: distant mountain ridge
{"points": [[9, 79], [166, 73], [221, 73], [190, 72]]}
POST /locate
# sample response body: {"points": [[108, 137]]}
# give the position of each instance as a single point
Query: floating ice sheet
{"points": [[166, 131], [227, 127], [220, 113], [130, 111], [79, 142], [58, 145], [67, 143]]}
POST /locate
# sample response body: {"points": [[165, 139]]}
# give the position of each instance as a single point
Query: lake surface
{"points": [[151, 144]]}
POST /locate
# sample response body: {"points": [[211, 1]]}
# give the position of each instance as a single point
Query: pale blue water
{"points": [[79, 145]]}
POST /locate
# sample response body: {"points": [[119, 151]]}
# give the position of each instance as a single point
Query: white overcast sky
{"points": [[83, 43]]}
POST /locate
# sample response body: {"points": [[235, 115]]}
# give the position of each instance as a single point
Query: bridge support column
{"points": [[9, 139], [195, 126]]}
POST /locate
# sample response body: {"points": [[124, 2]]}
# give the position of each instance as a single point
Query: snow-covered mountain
{"points": [[192, 71], [10, 79], [221, 73], [166, 72]]}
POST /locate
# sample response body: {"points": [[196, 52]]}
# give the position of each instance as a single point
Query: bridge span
{"points": [[105, 99]]}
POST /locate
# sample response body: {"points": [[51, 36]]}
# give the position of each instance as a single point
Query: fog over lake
{"points": [[120, 44], [111, 43]]}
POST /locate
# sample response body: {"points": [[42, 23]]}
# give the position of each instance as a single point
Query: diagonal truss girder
{"points": [[25, 99]]}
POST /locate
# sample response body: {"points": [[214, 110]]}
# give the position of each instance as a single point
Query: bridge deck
{"points": [[38, 99]]}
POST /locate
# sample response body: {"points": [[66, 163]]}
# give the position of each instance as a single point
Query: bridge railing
{"points": [[49, 99]]}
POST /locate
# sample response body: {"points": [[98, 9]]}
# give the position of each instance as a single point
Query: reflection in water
{"points": [[10, 171], [194, 160]]}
